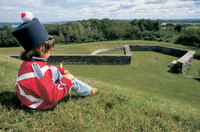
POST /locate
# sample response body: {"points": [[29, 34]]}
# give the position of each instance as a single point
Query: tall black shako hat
{"points": [[31, 33]]}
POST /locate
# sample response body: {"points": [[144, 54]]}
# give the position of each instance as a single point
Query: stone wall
{"points": [[183, 63], [127, 50], [114, 59], [161, 49], [90, 59], [179, 66]]}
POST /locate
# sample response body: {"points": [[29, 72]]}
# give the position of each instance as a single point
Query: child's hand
{"points": [[66, 72], [69, 76]]}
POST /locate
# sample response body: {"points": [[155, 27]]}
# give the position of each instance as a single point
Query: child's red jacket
{"points": [[35, 87]]}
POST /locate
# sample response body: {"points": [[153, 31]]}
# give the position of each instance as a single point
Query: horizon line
{"points": [[106, 18]]}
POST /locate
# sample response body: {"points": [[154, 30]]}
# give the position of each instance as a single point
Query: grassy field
{"points": [[143, 96], [88, 48]]}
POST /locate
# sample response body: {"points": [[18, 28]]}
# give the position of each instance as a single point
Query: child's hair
{"points": [[35, 52]]}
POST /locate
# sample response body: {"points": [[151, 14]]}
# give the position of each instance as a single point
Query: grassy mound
{"points": [[143, 96], [88, 48]]}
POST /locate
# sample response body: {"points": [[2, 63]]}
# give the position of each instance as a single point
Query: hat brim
{"points": [[50, 37]]}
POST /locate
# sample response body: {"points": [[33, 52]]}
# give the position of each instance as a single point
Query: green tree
{"points": [[133, 32], [189, 37], [6, 37], [147, 24], [178, 28]]}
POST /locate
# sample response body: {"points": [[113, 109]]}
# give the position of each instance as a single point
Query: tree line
{"points": [[94, 30]]}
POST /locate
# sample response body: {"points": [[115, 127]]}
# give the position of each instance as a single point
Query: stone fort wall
{"points": [[101, 59], [97, 59]]}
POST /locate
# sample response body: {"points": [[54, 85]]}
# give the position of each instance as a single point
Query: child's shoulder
{"points": [[27, 66], [31, 63]]}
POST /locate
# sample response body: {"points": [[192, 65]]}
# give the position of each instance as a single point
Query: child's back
{"points": [[38, 85]]}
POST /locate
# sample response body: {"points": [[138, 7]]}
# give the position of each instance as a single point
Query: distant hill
{"points": [[180, 20], [14, 24]]}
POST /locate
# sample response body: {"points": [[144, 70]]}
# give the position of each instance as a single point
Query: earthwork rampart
{"points": [[102, 59]]}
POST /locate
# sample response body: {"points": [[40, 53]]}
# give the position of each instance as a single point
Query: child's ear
{"points": [[41, 51]]}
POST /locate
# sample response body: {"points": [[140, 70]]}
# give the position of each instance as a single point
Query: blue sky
{"points": [[69, 10]]}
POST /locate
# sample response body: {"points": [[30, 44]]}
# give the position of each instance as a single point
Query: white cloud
{"points": [[9, 7], [66, 10]]}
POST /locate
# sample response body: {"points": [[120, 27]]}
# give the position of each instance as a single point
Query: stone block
{"points": [[183, 63]]}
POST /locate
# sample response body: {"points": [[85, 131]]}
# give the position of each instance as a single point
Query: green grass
{"points": [[88, 48], [143, 96]]}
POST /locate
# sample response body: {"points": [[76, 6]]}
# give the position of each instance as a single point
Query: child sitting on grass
{"points": [[38, 85]]}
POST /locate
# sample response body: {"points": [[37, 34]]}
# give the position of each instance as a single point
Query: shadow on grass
{"points": [[10, 101], [71, 97], [172, 71], [198, 79]]}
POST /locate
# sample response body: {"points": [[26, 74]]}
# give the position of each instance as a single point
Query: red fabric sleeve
{"points": [[50, 91], [61, 70]]}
